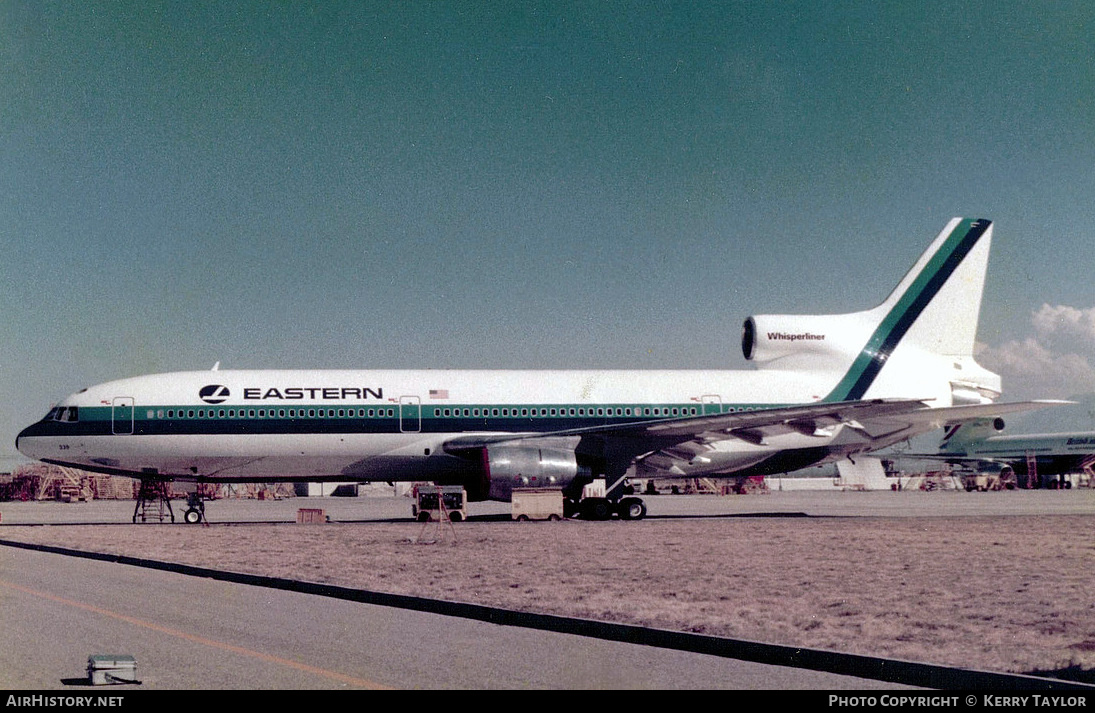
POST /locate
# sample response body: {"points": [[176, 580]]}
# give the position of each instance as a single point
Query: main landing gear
{"points": [[597, 508]]}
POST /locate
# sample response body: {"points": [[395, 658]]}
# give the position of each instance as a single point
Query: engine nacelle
{"points": [[511, 467], [810, 341]]}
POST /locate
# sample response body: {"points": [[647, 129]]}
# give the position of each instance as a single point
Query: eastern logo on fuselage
{"points": [[315, 393], [214, 394], [217, 393]]}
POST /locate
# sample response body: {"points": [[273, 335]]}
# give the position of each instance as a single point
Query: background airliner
{"points": [[982, 445], [825, 388]]}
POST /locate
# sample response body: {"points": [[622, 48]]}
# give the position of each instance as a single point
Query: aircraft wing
{"points": [[878, 418]]}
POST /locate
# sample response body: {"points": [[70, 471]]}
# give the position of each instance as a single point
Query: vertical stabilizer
{"points": [[936, 305], [922, 342]]}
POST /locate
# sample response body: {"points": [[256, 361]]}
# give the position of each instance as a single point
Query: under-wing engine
{"points": [[530, 464]]}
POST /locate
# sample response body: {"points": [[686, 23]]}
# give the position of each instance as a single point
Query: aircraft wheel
{"points": [[596, 509], [192, 516], [632, 509]]}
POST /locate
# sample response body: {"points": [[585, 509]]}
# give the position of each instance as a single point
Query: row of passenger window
{"points": [[665, 411], [572, 411], [272, 413]]}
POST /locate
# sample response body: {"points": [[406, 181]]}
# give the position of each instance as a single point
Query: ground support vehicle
{"points": [[432, 501], [982, 482], [597, 502]]}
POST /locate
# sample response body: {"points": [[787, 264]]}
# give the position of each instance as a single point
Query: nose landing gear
{"points": [[195, 509]]}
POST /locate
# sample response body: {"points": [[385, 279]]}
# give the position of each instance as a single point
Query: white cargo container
{"points": [[537, 504]]}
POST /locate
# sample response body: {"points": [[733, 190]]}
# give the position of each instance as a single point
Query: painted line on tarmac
{"points": [[910, 673], [223, 646]]}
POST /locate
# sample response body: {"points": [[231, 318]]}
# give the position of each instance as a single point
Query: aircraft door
{"points": [[712, 403], [410, 414], [121, 415]]}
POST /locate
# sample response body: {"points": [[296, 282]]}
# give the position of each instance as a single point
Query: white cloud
{"points": [[1030, 370], [1055, 362], [1065, 326]]}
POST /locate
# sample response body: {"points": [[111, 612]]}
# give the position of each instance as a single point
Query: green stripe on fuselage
{"points": [[430, 418]]}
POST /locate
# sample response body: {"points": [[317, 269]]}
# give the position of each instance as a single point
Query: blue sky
{"points": [[525, 184]]}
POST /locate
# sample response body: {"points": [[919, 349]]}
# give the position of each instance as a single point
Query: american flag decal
{"points": [[439, 393]]}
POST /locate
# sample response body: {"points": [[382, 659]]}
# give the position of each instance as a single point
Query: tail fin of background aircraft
{"points": [[958, 438], [917, 344]]}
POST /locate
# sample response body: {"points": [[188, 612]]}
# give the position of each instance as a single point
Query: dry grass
{"points": [[1004, 594]]}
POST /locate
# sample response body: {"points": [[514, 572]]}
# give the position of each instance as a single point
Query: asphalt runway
{"points": [[191, 633]]}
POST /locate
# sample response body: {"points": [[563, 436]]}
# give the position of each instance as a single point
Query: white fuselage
{"points": [[382, 425]]}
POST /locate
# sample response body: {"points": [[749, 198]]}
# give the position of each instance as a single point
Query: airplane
{"points": [[1032, 460], [825, 388]]}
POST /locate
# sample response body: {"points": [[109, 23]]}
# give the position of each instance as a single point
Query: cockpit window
{"points": [[69, 414]]}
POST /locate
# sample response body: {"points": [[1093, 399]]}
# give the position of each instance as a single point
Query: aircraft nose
{"points": [[24, 442]]}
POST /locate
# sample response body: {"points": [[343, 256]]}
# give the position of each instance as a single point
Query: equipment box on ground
{"points": [[537, 504], [105, 669]]}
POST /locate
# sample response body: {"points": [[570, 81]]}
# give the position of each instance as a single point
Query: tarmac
{"points": [[939, 503]]}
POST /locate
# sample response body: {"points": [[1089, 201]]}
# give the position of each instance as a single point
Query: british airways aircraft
{"points": [[1037, 459], [825, 388]]}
